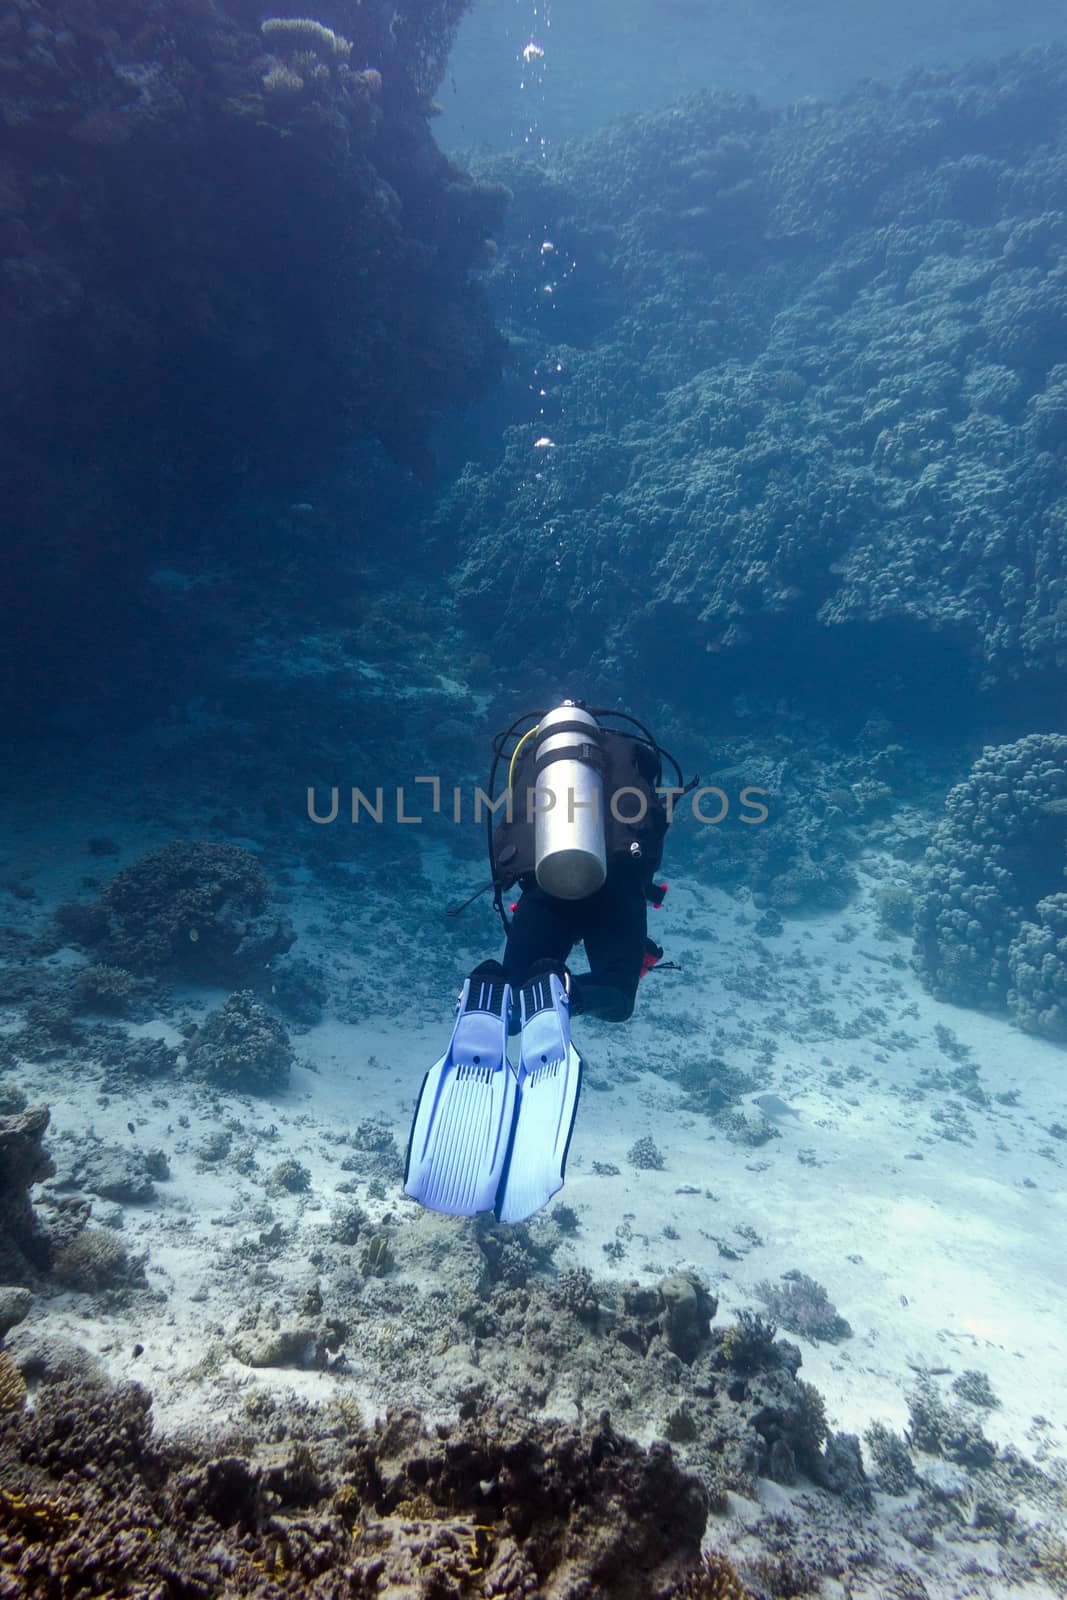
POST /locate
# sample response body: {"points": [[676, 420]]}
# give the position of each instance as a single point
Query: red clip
{"points": [[652, 954]]}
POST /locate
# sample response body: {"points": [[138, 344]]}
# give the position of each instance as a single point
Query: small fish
{"points": [[131, 1127], [772, 1105]]}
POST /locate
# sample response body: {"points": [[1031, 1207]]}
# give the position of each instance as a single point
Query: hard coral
{"points": [[802, 1306], [715, 1579], [1037, 970], [303, 33], [989, 926], [96, 1259], [946, 1430], [25, 1249], [241, 1046], [894, 1468], [1052, 1565], [12, 1385], [93, 1504], [197, 906], [104, 988], [749, 1344]]}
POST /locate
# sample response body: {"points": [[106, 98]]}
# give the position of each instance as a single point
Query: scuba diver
{"points": [[582, 837]]}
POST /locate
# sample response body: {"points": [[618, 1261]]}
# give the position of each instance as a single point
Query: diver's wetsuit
{"points": [[613, 925]]}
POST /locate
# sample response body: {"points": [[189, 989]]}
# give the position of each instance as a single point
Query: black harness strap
{"points": [[590, 754]]}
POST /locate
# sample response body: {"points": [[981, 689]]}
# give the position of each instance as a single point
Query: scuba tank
{"points": [[570, 858], [578, 757]]}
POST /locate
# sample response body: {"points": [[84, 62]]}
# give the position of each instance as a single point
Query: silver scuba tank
{"points": [[570, 859]]}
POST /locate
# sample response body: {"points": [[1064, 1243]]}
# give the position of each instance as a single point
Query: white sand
{"points": [[955, 1260]]}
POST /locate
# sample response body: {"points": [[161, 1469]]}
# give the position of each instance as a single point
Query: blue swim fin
{"points": [[550, 1076], [463, 1121]]}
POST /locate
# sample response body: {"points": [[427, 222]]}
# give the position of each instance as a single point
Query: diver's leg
{"points": [[614, 928], [542, 928]]}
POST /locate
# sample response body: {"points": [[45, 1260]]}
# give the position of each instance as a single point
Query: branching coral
{"points": [[946, 1430], [1052, 1565], [12, 1384], [802, 1306], [894, 1469], [715, 1579], [812, 1430], [104, 988], [749, 1344]]}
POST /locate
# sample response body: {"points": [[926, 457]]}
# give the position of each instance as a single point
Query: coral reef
{"points": [[802, 373], [94, 1503], [989, 923], [241, 1046]]}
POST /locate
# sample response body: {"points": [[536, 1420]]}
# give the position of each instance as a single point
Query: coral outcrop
{"points": [[990, 928], [192, 906], [241, 1046], [25, 1248]]}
